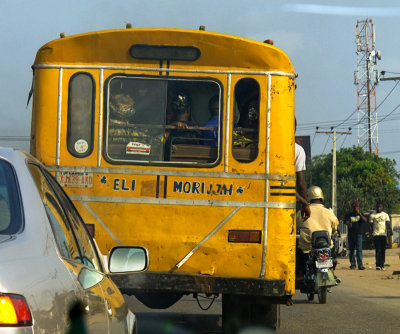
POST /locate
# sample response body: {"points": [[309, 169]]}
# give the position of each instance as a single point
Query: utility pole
{"points": [[382, 78], [366, 78], [332, 132]]}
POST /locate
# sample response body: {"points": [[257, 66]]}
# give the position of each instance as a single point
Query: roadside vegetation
{"points": [[360, 175]]}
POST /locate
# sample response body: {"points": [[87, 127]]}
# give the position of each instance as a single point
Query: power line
{"points": [[323, 152], [353, 123], [387, 95], [15, 138]]}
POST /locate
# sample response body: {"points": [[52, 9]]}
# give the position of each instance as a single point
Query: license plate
{"points": [[324, 264], [75, 179]]}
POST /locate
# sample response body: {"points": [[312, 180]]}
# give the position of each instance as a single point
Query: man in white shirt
{"points": [[380, 222], [301, 186]]}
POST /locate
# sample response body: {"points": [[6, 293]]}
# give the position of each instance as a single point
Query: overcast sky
{"points": [[318, 36]]}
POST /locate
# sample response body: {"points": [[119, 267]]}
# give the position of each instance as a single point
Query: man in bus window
{"points": [[122, 111], [211, 136], [249, 118], [181, 133]]}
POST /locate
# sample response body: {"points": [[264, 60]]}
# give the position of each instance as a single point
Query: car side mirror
{"points": [[127, 259], [89, 278]]}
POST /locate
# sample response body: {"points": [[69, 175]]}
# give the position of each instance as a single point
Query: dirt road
{"points": [[370, 280], [367, 301]]}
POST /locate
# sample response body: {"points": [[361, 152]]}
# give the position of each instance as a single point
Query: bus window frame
{"points": [[106, 96], [93, 115], [231, 144]]}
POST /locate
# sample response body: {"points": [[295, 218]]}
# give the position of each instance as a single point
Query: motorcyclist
{"points": [[321, 219]]}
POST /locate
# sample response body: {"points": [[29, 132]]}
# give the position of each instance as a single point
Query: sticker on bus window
{"points": [[81, 146], [75, 179], [135, 147]]}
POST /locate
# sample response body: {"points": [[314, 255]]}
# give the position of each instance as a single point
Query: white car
{"points": [[52, 277]]}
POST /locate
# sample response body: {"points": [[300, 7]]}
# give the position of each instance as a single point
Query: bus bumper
{"points": [[192, 283]]}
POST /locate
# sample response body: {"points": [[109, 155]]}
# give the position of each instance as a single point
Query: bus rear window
{"points": [[162, 121], [80, 115], [10, 204]]}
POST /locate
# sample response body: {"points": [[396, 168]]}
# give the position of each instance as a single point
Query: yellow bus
{"points": [[180, 141]]}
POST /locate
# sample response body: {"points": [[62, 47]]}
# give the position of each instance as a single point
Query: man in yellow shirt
{"points": [[321, 219]]}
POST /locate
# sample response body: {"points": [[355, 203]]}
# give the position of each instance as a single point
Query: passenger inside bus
{"points": [[122, 112], [246, 135], [211, 136], [181, 132]]}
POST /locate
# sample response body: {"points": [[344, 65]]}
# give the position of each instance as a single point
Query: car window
{"points": [[10, 202], [89, 254], [63, 234]]}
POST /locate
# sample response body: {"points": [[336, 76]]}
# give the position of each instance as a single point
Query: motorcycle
{"points": [[318, 276]]}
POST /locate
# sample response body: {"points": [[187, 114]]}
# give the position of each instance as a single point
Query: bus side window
{"points": [[246, 120], [81, 94]]}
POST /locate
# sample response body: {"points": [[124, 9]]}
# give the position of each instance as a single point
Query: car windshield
{"points": [[10, 205]]}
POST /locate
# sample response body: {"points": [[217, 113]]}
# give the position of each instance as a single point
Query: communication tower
{"points": [[366, 79]]}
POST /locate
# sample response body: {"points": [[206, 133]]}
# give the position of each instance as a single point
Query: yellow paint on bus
{"points": [[212, 202]]}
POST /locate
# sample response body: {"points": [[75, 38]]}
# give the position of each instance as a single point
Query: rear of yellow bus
{"points": [[213, 200]]}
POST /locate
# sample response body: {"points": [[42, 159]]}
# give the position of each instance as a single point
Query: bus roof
{"points": [[111, 47]]}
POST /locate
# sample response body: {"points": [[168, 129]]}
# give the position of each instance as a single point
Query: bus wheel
{"points": [[266, 315], [235, 314], [240, 312]]}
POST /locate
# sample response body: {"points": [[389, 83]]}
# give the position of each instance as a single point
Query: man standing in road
{"points": [[380, 224], [354, 221]]}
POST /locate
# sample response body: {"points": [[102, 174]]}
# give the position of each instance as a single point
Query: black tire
{"points": [[322, 294], [310, 296], [239, 312], [157, 300], [266, 315], [235, 315]]}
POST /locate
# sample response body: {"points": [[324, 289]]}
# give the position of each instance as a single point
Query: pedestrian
{"points": [[354, 221], [379, 225]]}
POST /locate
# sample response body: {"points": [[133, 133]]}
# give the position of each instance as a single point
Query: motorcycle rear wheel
{"points": [[322, 294], [310, 296]]}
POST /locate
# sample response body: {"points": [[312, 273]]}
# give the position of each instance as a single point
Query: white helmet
{"points": [[315, 192]]}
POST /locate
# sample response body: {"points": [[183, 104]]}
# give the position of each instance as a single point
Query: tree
{"points": [[360, 175]]}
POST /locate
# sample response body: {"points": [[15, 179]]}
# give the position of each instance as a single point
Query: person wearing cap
{"points": [[320, 219], [181, 123], [354, 221], [122, 112]]}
